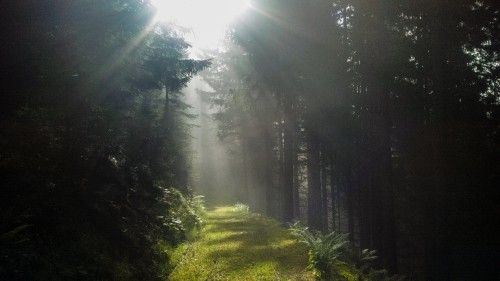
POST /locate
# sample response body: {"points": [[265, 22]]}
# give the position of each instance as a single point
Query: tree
{"points": [[86, 161], [401, 98]]}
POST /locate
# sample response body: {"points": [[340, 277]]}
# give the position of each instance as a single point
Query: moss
{"points": [[237, 245]]}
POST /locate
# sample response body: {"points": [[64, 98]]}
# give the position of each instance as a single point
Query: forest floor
{"points": [[238, 245]]}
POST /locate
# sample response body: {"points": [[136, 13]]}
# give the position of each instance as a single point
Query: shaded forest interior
{"points": [[378, 119]]}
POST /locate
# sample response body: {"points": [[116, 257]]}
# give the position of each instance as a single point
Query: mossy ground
{"points": [[237, 245]]}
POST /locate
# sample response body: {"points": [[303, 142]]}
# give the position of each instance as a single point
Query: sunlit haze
{"points": [[206, 18]]}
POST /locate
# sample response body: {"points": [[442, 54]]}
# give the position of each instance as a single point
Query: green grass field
{"points": [[237, 245]]}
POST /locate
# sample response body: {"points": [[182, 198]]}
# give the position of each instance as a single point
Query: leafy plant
{"points": [[13, 235], [326, 252], [332, 257], [197, 204], [183, 215], [365, 260]]}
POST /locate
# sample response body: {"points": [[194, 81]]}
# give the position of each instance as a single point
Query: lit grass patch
{"points": [[238, 245]]}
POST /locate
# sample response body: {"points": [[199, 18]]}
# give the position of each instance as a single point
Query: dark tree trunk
{"points": [[281, 163], [383, 229], [296, 185], [384, 235], [288, 158], [324, 193], [389, 228], [365, 208], [438, 260], [314, 183], [349, 186], [245, 194], [332, 194], [268, 174]]}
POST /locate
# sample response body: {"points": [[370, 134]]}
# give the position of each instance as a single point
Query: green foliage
{"points": [[331, 257], [197, 204], [183, 217], [327, 253], [364, 267], [87, 143]]}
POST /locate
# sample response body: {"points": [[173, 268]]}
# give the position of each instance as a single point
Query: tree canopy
{"points": [[378, 119], [93, 143]]}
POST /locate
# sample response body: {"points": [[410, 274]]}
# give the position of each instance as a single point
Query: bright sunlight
{"points": [[206, 18]]}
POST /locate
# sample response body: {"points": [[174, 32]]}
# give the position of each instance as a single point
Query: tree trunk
{"points": [[365, 208], [349, 186], [438, 265], [296, 185], [288, 158], [268, 174], [314, 183], [332, 193], [244, 196], [389, 230], [324, 193]]}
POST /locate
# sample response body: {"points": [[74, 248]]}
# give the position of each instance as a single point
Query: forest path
{"points": [[239, 245]]}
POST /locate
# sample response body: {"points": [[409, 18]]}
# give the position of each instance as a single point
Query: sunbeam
{"points": [[206, 19]]}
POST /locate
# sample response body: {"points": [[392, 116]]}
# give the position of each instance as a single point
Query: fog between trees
{"points": [[373, 118], [379, 119]]}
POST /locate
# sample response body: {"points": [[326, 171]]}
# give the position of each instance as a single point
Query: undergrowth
{"points": [[184, 220], [332, 257]]}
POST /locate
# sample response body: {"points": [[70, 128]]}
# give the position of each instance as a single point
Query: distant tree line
{"points": [[94, 137], [375, 118]]}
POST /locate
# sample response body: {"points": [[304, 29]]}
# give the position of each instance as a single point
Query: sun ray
{"points": [[207, 19], [116, 61]]}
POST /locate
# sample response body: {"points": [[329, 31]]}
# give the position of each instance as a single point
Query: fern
{"points": [[13, 235], [365, 261], [327, 252], [331, 257]]}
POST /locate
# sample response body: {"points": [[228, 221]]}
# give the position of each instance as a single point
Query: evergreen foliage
{"points": [[91, 159], [378, 119]]}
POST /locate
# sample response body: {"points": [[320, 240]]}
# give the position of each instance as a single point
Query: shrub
{"points": [[182, 217], [197, 204]]}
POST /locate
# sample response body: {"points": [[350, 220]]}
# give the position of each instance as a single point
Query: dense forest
{"points": [[94, 140], [377, 119]]}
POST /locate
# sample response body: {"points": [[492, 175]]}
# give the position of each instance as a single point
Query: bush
{"points": [[182, 220], [183, 216]]}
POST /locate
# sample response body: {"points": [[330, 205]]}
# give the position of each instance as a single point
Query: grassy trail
{"points": [[236, 245]]}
